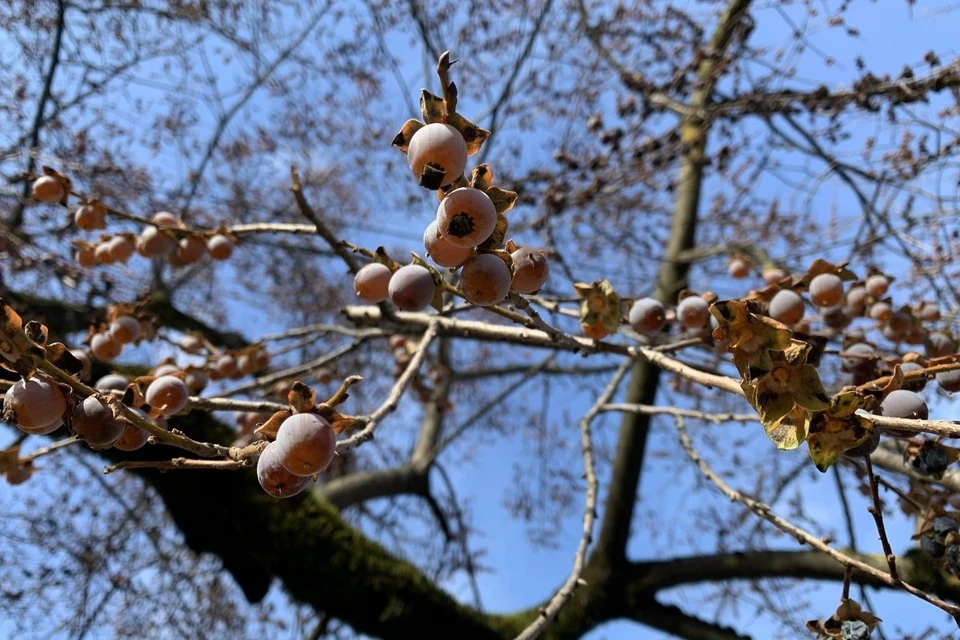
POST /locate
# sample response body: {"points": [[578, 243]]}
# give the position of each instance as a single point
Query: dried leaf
{"points": [[19, 353], [751, 336], [497, 237], [432, 108], [459, 183], [791, 430], [402, 139], [600, 309], [473, 135], [8, 459], [338, 422], [481, 177], [59, 355], [381, 256], [37, 332], [301, 397], [502, 199], [830, 435], [820, 266], [269, 428]]}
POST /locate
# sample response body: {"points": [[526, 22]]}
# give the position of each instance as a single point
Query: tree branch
{"points": [[16, 217], [632, 439], [863, 93]]}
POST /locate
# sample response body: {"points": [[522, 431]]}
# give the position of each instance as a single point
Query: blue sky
{"points": [[525, 575]]}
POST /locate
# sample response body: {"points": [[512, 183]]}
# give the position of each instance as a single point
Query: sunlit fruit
{"points": [[305, 444], [89, 217], [86, 256], [49, 189], [856, 301], [154, 243], [939, 344], [191, 248], [191, 344], [773, 275], [94, 421], [441, 251], [826, 290], [437, 155], [903, 404], [530, 270], [949, 381], [859, 357], [412, 288], [693, 312], [125, 329], [372, 282], [647, 316], [226, 366], [786, 306], [104, 347], [120, 248], [167, 369], [165, 219], [102, 254], [877, 285], [880, 311], [275, 479], [112, 381], [220, 247], [34, 405], [466, 217], [133, 438], [738, 268], [196, 380], [168, 395], [485, 279]]}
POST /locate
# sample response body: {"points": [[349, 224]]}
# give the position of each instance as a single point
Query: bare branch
{"points": [[764, 511], [393, 399], [556, 603]]}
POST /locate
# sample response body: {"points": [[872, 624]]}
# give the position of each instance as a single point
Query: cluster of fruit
{"points": [[470, 228], [770, 332], [304, 446], [167, 237], [128, 324], [941, 540], [39, 406], [649, 316]]}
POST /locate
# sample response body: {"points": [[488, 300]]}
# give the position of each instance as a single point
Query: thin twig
{"points": [[393, 400], [179, 463], [50, 448], [300, 369], [529, 374], [877, 512], [563, 595], [321, 228], [804, 537], [716, 418]]}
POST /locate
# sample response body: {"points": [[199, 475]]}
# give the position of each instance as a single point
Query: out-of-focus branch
{"points": [[865, 93], [563, 595], [320, 227], [677, 623], [16, 216], [764, 511], [393, 398]]}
